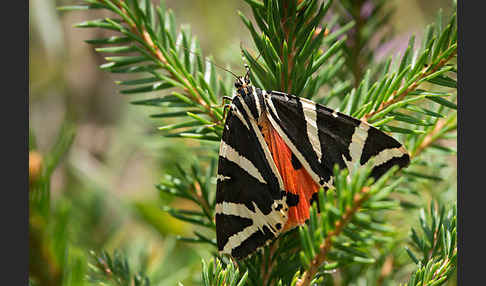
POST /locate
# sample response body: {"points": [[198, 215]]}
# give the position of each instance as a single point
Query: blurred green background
{"points": [[106, 181]]}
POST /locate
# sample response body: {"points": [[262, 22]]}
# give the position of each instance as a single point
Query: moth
{"points": [[276, 151]]}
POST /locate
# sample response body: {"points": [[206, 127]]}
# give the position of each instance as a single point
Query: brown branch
{"points": [[158, 54], [440, 271], [266, 268], [324, 248], [430, 138], [357, 69], [386, 269], [200, 198], [290, 58], [396, 98]]}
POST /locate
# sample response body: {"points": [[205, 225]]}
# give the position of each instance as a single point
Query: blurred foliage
{"points": [[94, 161]]}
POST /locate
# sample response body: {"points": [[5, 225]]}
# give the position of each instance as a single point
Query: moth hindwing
{"points": [[277, 150]]}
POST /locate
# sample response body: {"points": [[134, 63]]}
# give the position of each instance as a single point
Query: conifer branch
{"points": [[150, 34], [267, 266], [437, 245], [372, 19], [386, 269], [193, 186], [202, 200], [115, 269], [294, 46], [215, 274], [142, 32], [370, 16], [410, 86], [431, 137], [358, 200]]}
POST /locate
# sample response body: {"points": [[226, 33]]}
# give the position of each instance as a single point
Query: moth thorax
{"points": [[242, 85], [244, 90]]}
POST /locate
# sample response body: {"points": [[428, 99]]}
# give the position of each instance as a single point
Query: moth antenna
{"points": [[224, 69], [206, 60], [247, 75], [246, 66]]}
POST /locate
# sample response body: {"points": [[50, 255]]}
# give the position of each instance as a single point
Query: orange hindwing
{"points": [[295, 178]]}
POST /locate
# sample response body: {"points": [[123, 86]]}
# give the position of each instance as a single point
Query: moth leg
{"points": [[226, 98], [223, 119], [225, 108], [225, 111]]}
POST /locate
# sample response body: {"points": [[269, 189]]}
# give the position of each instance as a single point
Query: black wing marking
{"points": [[249, 187], [321, 137]]}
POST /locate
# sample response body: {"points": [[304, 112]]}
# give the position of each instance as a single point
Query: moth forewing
{"points": [[250, 198]]}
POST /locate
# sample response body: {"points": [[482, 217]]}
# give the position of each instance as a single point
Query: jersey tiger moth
{"points": [[276, 151]]}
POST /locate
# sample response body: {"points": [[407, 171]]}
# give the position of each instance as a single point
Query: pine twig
{"points": [[141, 31], [291, 55], [437, 246], [386, 269], [215, 274], [396, 98], [327, 244], [266, 268], [430, 138], [200, 198]]}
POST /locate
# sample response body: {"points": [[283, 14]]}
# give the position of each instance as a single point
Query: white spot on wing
{"points": [[221, 178]]}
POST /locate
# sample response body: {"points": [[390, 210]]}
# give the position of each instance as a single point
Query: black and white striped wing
{"points": [[321, 137], [250, 199]]}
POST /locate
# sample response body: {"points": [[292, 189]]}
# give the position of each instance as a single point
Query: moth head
{"points": [[240, 82], [243, 81]]}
